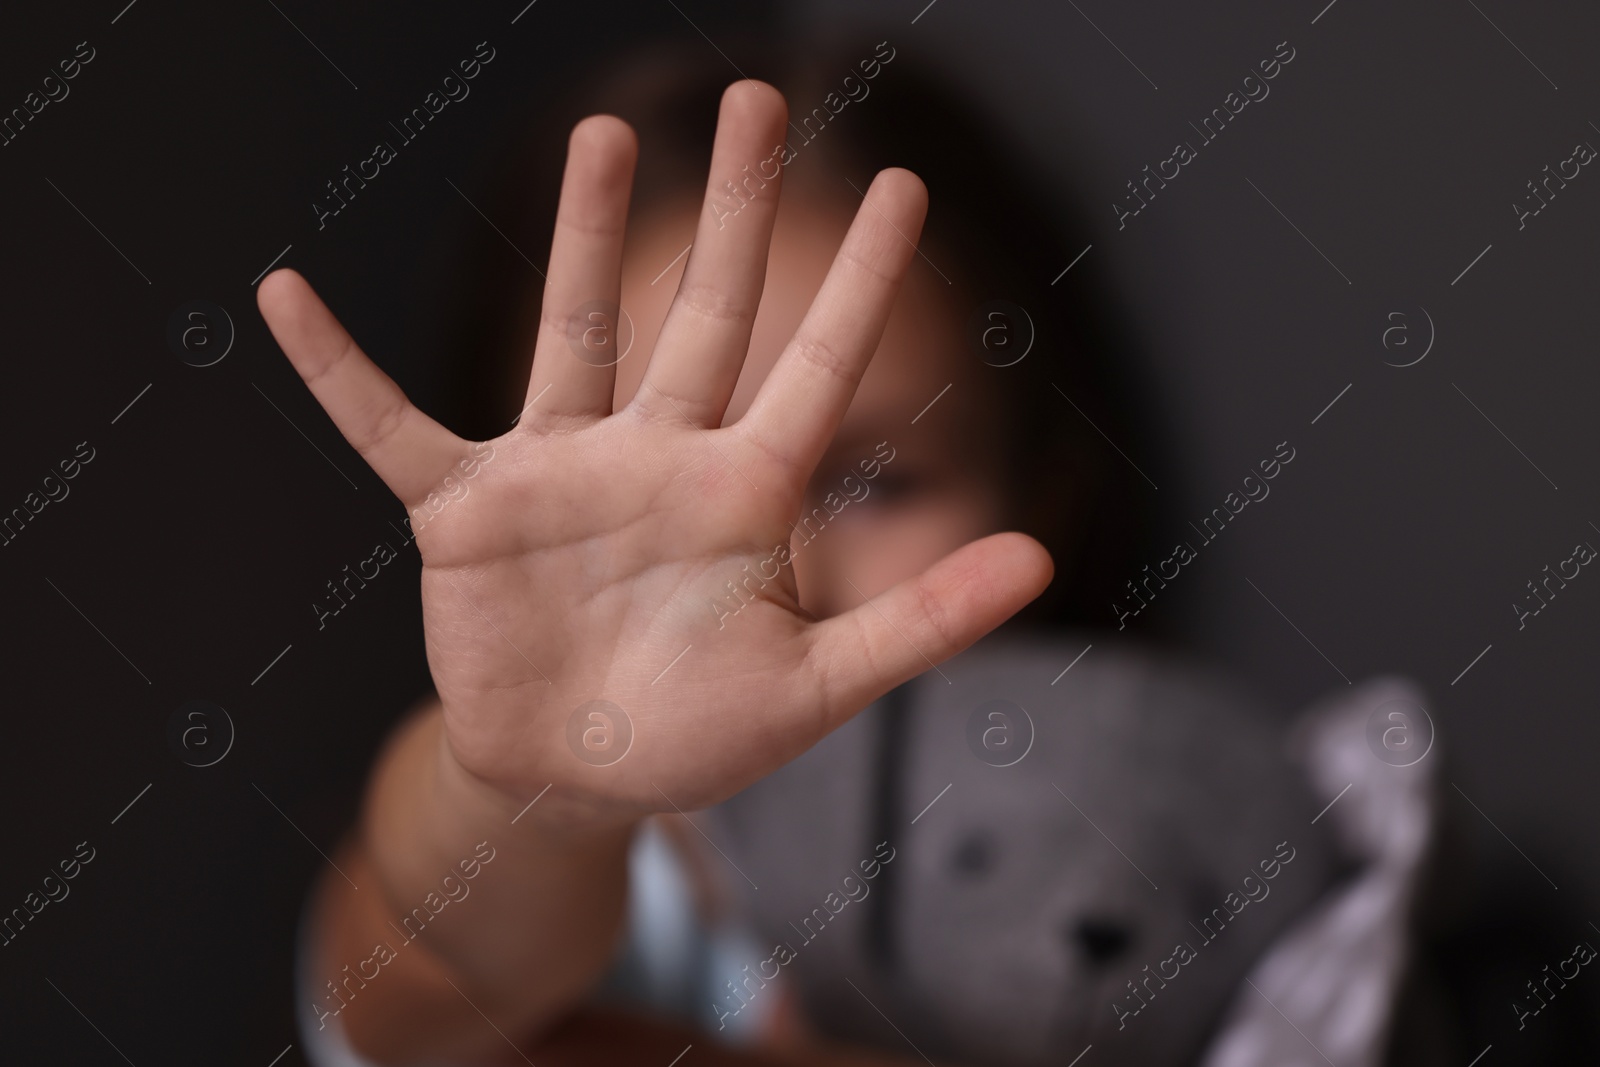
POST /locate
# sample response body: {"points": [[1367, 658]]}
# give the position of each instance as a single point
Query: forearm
{"points": [[520, 931]]}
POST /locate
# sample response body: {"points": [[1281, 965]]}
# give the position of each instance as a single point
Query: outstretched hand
{"points": [[594, 542]]}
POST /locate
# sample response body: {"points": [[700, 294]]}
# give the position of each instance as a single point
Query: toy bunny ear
{"points": [[1325, 990]]}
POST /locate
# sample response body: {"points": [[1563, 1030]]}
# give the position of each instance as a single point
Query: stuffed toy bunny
{"points": [[1002, 863]]}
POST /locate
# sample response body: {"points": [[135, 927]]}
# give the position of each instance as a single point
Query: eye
{"points": [[897, 485], [1102, 940], [974, 856]]}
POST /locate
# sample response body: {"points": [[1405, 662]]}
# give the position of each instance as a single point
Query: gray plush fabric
{"points": [[1027, 903]]}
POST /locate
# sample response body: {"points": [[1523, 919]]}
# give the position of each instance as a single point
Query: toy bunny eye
{"points": [[1102, 940], [974, 856]]}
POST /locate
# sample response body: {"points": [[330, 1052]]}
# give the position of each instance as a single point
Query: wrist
{"points": [[550, 810]]}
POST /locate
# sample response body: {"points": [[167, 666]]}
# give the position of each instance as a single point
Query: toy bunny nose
{"points": [[1101, 940]]}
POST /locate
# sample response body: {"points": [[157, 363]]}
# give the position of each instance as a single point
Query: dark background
{"points": [[189, 550]]}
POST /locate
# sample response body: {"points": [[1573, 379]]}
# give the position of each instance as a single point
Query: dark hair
{"points": [[990, 227]]}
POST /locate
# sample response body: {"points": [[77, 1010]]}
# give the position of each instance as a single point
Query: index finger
{"points": [[800, 405]]}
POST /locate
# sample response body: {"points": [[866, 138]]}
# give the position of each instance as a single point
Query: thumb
{"points": [[925, 620]]}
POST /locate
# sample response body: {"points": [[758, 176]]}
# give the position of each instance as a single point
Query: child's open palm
{"points": [[591, 548]]}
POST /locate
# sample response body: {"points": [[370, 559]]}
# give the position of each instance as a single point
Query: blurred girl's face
{"points": [[893, 497]]}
